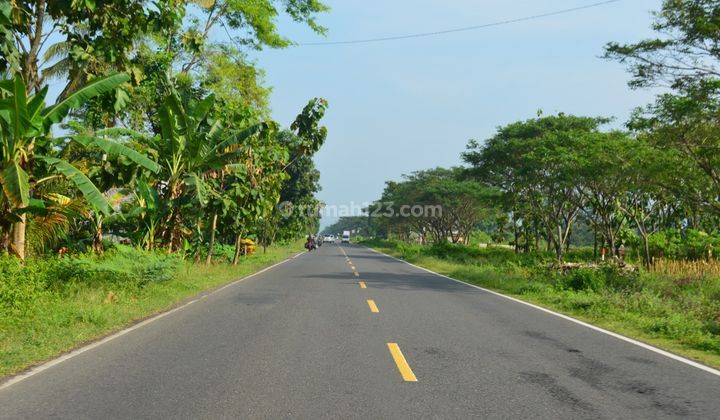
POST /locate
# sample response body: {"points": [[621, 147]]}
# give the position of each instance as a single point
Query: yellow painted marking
{"points": [[362, 285], [353, 267], [356, 274], [373, 307], [402, 364]]}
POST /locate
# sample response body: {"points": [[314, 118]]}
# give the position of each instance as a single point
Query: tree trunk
{"points": [[567, 244], [18, 240], [647, 250], [549, 245], [595, 244], [236, 257], [98, 239], [558, 253], [559, 245], [5, 243], [211, 244]]}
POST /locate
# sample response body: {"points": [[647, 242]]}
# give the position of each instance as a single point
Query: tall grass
{"points": [[688, 270]]}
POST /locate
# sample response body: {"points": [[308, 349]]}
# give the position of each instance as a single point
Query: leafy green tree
{"points": [[686, 58], [299, 189], [688, 123], [440, 203], [98, 36], [533, 164], [650, 206], [603, 164], [684, 53], [256, 21], [358, 224]]}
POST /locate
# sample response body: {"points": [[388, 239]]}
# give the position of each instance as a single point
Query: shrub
{"points": [[20, 285], [687, 244]]}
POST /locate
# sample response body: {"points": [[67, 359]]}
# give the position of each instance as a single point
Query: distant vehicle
{"points": [[329, 238], [346, 236]]}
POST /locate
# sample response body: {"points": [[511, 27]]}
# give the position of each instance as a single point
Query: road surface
{"points": [[330, 336]]}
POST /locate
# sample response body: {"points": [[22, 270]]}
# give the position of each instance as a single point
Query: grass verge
{"points": [[53, 305], [679, 314]]}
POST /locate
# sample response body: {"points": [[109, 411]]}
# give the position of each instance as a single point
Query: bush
{"points": [[121, 267], [689, 244], [20, 285]]}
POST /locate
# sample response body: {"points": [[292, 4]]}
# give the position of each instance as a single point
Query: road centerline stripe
{"points": [[362, 285], [373, 307], [402, 364]]}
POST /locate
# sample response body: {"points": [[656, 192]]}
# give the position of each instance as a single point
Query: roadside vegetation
{"points": [[620, 227], [51, 305], [138, 161]]}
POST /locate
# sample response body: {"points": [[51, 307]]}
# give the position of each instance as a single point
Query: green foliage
{"points": [[20, 285], [352, 223], [120, 268], [437, 204], [690, 244], [536, 165], [679, 55]]}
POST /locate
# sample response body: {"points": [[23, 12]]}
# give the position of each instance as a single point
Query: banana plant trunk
{"points": [[5, 243], [98, 239], [211, 244], [18, 240]]}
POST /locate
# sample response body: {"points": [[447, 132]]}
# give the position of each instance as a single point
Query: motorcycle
{"points": [[310, 245]]}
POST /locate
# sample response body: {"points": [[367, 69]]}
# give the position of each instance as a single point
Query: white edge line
{"points": [[571, 319], [47, 365]]}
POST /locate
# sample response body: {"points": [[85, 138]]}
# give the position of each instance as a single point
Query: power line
{"points": [[464, 29]]}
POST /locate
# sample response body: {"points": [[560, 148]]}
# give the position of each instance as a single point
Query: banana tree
{"points": [[191, 147], [29, 151]]}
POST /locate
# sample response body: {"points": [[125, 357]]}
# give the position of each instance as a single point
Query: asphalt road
{"points": [[302, 341]]}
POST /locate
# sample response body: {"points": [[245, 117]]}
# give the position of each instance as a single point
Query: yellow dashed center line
{"points": [[402, 364], [373, 307]]}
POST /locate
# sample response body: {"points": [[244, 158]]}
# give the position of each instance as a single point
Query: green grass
{"points": [[53, 305], [678, 314]]}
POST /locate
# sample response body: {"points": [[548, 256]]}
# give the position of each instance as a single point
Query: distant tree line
{"points": [[548, 175]]}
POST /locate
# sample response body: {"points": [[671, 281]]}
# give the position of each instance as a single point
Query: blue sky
{"points": [[401, 106]]}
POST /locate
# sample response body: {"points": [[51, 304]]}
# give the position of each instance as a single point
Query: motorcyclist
{"points": [[310, 243]]}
